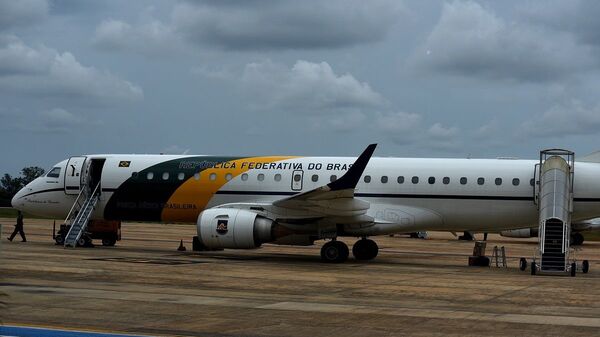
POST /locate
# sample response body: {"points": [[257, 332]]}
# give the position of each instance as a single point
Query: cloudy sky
{"points": [[251, 77]]}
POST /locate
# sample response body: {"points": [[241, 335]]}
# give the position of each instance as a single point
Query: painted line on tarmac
{"points": [[26, 331]]}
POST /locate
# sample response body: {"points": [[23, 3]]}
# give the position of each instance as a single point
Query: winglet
{"points": [[351, 178]]}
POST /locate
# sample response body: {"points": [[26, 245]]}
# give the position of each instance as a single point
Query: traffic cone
{"points": [[181, 247]]}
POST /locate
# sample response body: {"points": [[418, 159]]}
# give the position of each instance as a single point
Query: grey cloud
{"points": [[22, 12], [58, 120], [309, 87], [439, 132], [285, 24], [563, 120], [471, 41], [579, 17], [148, 37], [45, 72]]}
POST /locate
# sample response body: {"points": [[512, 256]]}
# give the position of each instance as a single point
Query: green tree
{"points": [[9, 186], [28, 174]]}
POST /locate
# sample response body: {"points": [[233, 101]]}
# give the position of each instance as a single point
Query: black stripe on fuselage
{"points": [[407, 196], [44, 191]]}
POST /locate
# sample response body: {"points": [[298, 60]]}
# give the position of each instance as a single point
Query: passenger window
{"points": [[480, 181], [498, 181], [212, 177], [54, 173], [333, 178], [297, 177], [244, 176], [516, 182], [277, 177], [134, 175], [400, 180], [463, 180], [261, 177], [197, 175], [415, 180], [431, 180], [150, 176], [367, 179], [165, 175], [181, 176], [314, 178], [228, 176], [446, 180], [384, 179]]}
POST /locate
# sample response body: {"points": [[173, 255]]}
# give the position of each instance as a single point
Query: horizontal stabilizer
{"points": [[593, 157]]}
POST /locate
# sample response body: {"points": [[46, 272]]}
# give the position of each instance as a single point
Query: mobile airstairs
{"points": [[80, 214], [553, 189]]}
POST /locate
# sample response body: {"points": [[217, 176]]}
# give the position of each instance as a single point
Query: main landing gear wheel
{"points": [[573, 269], [533, 268], [365, 249], [334, 251]]}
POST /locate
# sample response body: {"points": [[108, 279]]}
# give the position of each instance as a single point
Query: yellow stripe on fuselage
{"points": [[195, 194]]}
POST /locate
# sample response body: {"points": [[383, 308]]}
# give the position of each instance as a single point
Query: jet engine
{"points": [[520, 233], [235, 228]]}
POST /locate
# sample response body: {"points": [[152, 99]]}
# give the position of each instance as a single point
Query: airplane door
{"points": [[73, 175], [297, 178]]}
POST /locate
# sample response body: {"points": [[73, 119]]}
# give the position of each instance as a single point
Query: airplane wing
{"points": [[335, 198], [333, 201]]}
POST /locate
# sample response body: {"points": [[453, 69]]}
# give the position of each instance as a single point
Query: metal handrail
{"points": [[75, 203]]}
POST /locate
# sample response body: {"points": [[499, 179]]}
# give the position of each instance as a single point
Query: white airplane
{"points": [[243, 202]]}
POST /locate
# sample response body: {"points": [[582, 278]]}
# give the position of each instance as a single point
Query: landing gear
{"points": [[577, 239], [334, 251], [467, 236], [365, 249], [533, 268], [573, 269], [522, 264]]}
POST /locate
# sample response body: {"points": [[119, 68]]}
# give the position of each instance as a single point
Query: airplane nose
{"points": [[15, 200]]}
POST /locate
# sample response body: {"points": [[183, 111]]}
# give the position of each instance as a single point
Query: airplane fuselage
{"points": [[404, 194]]}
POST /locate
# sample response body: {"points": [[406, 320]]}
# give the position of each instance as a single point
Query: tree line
{"points": [[9, 186]]}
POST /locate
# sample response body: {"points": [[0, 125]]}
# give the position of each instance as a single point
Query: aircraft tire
{"points": [[108, 242], [334, 252], [522, 264], [365, 249], [585, 266], [573, 269], [533, 268]]}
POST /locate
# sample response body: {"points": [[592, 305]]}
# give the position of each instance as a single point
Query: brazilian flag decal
{"points": [[124, 163]]}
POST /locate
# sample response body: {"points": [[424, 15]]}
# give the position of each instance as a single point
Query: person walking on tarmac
{"points": [[18, 228]]}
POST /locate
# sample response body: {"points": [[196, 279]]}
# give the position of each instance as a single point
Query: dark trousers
{"points": [[18, 229]]}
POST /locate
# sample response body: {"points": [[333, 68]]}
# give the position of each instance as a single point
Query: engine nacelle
{"points": [[520, 233], [234, 228]]}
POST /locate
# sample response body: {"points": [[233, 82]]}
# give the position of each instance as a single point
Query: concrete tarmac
{"points": [[413, 288]]}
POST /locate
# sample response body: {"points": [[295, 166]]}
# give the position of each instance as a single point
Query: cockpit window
{"points": [[54, 173]]}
